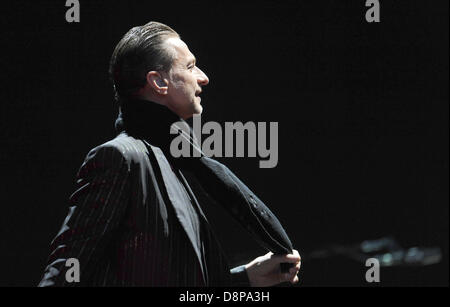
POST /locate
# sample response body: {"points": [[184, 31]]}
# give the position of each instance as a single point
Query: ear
{"points": [[157, 82]]}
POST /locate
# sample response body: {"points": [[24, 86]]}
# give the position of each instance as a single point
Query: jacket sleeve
{"points": [[239, 277], [242, 204], [97, 208]]}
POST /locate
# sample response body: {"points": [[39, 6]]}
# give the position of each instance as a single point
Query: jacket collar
{"points": [[148, 120], [145, 119]]}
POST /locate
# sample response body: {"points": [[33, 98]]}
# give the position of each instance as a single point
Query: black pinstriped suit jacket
{"points": [[129, 223]]}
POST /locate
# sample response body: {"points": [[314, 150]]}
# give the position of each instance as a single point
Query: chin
{"points": [[198, 109]]}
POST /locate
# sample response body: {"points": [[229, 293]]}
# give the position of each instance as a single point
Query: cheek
{"points": [[184, 89], [184, 86], [179, 84]]}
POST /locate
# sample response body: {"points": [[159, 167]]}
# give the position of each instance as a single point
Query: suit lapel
{"points": [[174, 192]]}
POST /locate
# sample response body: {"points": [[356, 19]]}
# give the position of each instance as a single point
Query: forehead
{"points": [[181, 50]]}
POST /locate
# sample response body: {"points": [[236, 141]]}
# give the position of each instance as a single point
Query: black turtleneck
{"points": [[144, 118]]}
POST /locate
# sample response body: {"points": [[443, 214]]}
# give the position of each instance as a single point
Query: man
{"points": [[135, 220]]}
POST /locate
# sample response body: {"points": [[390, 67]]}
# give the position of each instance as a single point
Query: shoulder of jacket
{"points": [[130, 148]]}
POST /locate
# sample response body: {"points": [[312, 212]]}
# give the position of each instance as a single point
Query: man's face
{"points": [[185, 81]]}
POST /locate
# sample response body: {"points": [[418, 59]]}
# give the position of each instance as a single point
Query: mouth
{"points": [[197, 93]]}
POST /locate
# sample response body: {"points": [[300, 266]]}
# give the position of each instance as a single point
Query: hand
{"points": [[265, 271]]}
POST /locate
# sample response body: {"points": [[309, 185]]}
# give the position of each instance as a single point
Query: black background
{"points": [[362, 111]]}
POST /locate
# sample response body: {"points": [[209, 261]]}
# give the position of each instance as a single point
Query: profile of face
{"points": [[183, 81]]}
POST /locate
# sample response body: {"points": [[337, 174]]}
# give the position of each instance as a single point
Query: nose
{"points": [[202, 78]]}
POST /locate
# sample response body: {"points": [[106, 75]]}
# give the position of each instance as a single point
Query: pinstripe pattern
{"points": [[134, 220], [122, 230]]}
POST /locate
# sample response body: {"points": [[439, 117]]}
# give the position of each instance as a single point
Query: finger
{"points": [[288, 258], [291, 258], [295, 279], [284, 277], [288, 277], [295, 252], [296, 266]]}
